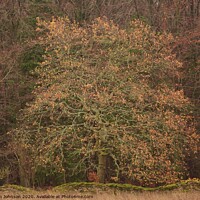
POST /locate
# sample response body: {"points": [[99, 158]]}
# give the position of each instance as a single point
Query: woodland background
{"points": [[22, 51]]}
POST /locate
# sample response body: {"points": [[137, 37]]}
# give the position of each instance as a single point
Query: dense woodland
{"points": [[99, 90]]}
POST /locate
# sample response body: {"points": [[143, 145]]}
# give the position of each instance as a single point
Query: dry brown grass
{"points": [[152, 196], [49, 195]]}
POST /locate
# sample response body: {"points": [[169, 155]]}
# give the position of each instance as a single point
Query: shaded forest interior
{"points": [[23, 50]]}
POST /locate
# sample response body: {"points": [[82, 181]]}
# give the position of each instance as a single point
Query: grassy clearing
{"points": [[150, 196], [174, 195], [185, 190]]}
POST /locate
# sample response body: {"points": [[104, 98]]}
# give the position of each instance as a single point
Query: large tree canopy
{"points": [[106, 99]]}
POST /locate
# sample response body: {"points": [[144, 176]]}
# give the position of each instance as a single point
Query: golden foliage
{"points": [[105, 89]]}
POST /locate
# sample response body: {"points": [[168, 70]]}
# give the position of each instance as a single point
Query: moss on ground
{"points": [[9, 187], [191, 184], [186, 185]]}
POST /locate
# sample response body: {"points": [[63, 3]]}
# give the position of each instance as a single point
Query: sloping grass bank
{"points": [[184, 190], [191, 184], [186, 185]]}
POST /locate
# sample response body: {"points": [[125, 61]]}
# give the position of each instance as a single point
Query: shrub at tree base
{"points": [[105, 101]]}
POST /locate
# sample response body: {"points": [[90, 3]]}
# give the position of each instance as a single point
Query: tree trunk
{"points": [[102, 167], [24, 169], [24, 180]]}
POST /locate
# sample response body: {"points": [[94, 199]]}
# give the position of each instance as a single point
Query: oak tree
{"points": [[106, 100]]}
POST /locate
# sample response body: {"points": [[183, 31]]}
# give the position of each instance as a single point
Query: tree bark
{"points": [[102, 167], [24, 170]]}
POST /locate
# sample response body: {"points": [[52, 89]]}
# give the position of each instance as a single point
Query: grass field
{"points": [[48, 195], [184, 190]]}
